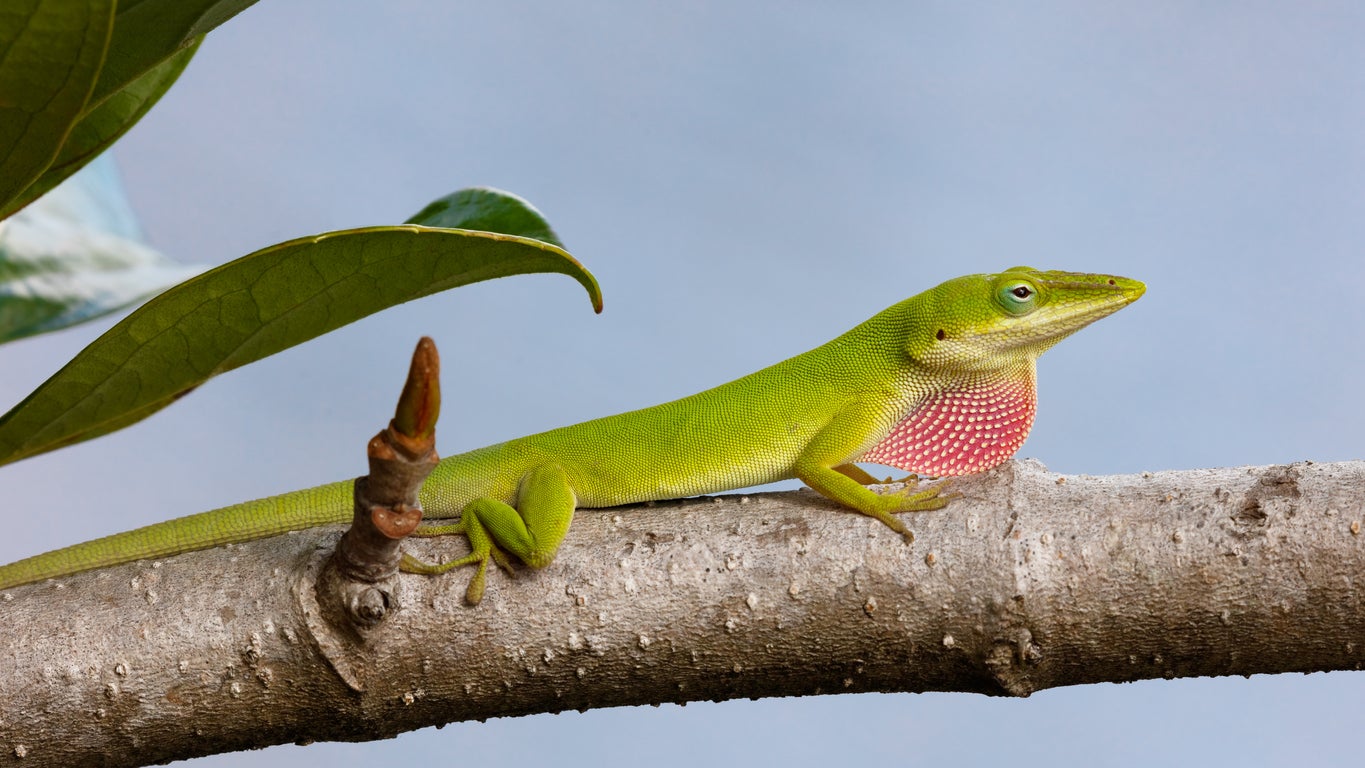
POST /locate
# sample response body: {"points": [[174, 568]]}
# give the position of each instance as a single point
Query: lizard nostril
{"points": [[940, 335]]}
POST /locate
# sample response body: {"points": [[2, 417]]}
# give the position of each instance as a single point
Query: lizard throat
{"points": [[961, 431]]}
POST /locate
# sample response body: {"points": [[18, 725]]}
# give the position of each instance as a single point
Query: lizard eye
{"points": [[1017, 297]]}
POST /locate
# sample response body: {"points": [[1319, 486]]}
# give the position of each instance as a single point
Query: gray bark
{"points": [[1030, 580]]}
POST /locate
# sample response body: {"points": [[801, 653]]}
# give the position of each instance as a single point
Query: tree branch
{"points": [[1031, 580]]}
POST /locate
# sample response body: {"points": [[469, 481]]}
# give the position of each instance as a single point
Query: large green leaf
{"points": [[256, 306], [52, 54], [147, 32], [104, 124]]}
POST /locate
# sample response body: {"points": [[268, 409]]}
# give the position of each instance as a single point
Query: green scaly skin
{"points": [[898, 375]]}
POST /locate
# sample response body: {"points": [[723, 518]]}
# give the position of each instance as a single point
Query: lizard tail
{"points": [[251, 520]]}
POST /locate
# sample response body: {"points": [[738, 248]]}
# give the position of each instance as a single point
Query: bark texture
{"points": [[1030, 580]]}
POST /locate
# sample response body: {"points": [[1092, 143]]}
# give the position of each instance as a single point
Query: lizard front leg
{"points": [[823, 466], [862, 476], [865, 478]]}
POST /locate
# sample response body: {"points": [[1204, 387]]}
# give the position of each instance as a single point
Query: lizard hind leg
{"points": [[481, 549], [531, 531]]}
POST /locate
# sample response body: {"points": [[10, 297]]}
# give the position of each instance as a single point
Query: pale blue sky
{"points": [[747, 180]]}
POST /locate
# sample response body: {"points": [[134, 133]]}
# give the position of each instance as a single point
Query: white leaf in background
{"points": [[75, 254]]}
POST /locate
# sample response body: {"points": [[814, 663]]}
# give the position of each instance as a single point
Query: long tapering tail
{"points": [[323, 505]]}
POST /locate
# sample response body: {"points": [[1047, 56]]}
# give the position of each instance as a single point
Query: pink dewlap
{"points": [[962, 431]]}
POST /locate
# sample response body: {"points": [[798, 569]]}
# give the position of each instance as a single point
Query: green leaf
{"points": [[103, 125], [147, 32], [254, 307], [53, 51], [76, 254], [489, 210]]}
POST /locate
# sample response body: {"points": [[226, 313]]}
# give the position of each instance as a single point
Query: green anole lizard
{"points": [[940, 384]]}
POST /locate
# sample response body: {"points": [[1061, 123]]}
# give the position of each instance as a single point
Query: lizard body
{"points": [[939, 384]]}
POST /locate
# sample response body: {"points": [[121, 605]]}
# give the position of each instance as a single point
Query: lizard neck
{"points": [[968, 426]]}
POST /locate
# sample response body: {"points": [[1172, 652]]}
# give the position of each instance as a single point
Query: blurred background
{"points": [[748, 180]]}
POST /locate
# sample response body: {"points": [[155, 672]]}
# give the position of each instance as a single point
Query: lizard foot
{"points": [[911, 498], [483, 550]]}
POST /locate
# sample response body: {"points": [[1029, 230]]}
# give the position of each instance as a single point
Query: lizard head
{"points": [[974, 341], [983, 322]]}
